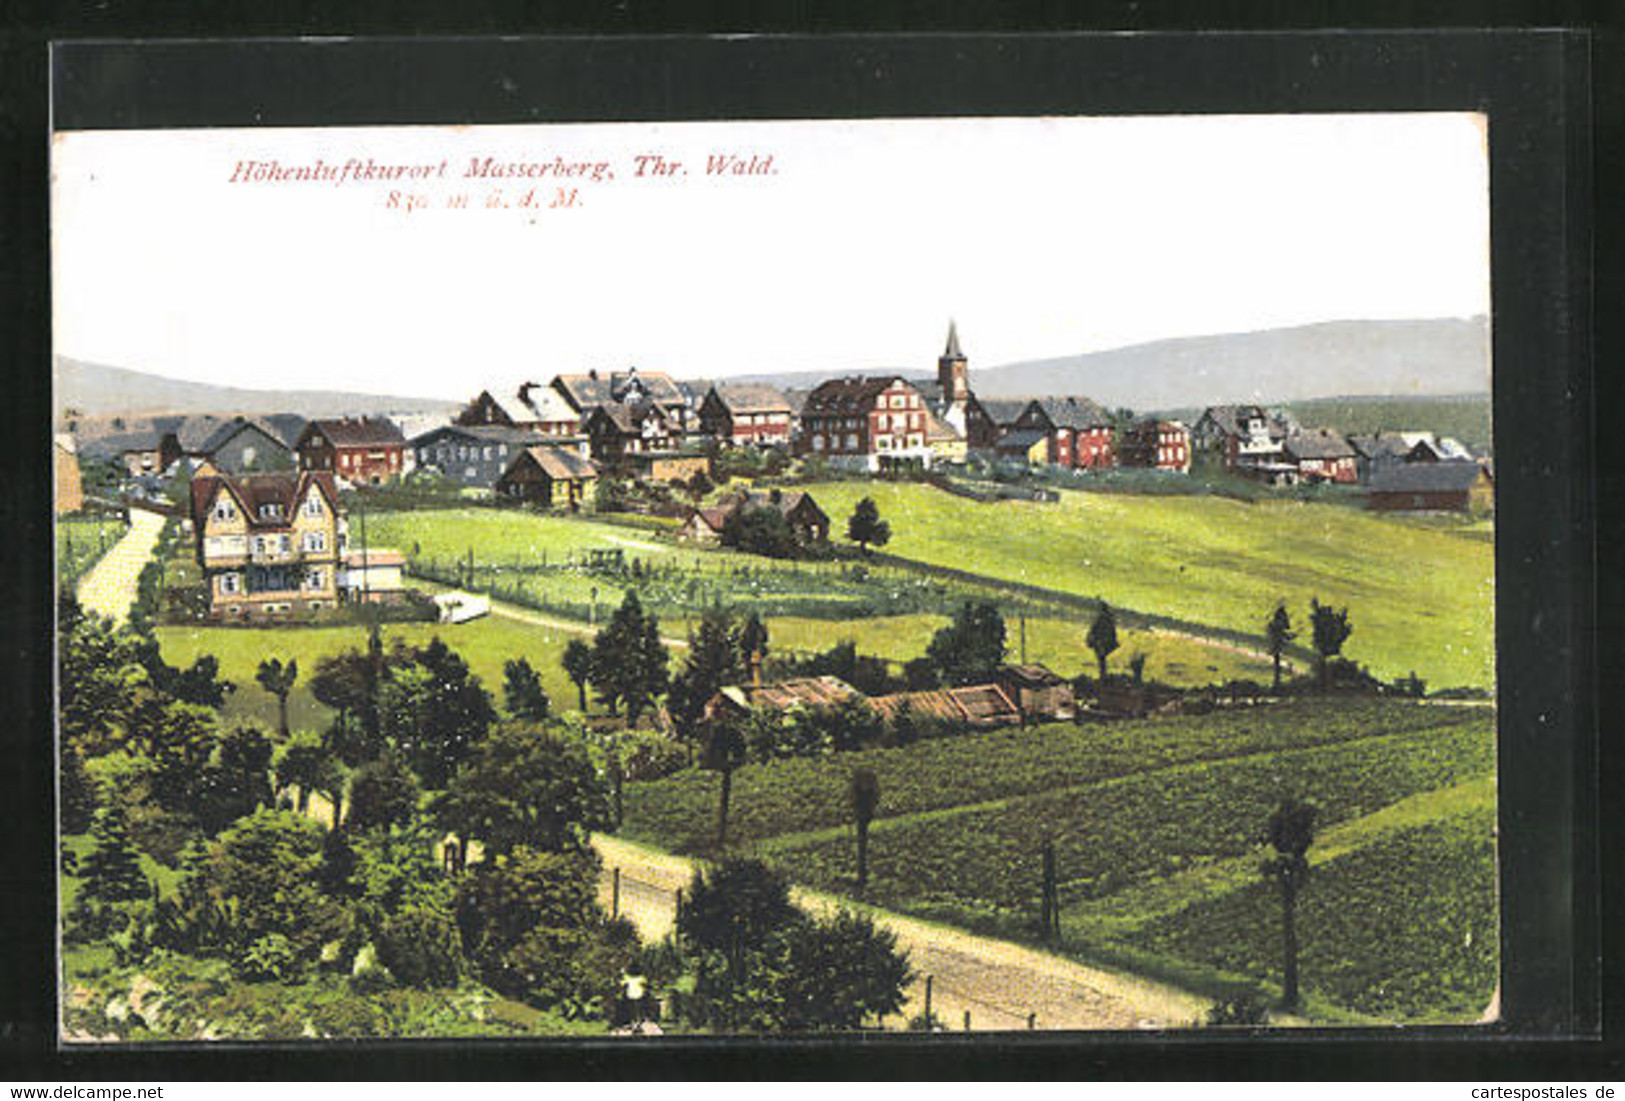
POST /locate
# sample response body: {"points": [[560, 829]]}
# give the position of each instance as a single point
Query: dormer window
{"points": [[223, 509], [271, 512]]}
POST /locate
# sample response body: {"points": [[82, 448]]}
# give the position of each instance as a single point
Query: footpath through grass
{"points": [[1419, 597]]}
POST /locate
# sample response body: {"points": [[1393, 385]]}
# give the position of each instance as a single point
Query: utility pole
{"points": [[1024, 637]]}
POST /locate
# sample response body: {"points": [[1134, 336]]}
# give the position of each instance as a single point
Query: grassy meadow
{"points": [[81, 540], [1419, 598]]}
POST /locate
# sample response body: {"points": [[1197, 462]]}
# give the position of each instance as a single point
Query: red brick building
{"points": [[746, 415], [1078, 432], [866, 423], [360, 450], [1157, 445]]}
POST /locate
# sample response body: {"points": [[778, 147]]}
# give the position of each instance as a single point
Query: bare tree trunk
{"points": [[1277, 658], [282, 714], [1289, 936], [722, 808], [863, 854]]}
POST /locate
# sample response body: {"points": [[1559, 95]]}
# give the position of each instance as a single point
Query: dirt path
{"points": [[109, 589], [1001, 985]]}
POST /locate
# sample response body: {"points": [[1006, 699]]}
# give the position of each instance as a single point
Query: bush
{"points": [[268, 959], [1241, 1009], [420, 946]]}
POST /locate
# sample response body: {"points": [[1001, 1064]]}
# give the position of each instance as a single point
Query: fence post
{"points": [[928, 1001], [967, 1020], [615, 894]]}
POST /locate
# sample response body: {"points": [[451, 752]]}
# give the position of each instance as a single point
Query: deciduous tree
{"points": [[1290, 832], [1102, 638], [523, 693], [970, 649], [1280, 633], [577, 662], [278, 679], [1330, 628], [866, 528]]}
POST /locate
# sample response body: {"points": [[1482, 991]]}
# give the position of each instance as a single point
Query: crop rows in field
{"points": [[1403, 928], [794, 796], [1114, 834]]}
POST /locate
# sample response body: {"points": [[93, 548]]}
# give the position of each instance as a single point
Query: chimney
{"points": [[592, 373]]}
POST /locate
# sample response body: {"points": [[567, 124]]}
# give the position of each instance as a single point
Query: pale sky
{"points": [[1042, 237]]}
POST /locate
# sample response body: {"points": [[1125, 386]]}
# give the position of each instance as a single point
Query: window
{"points": [[852, 441], [230, 583], [818, 443], [315, 540], [313, 505], [259, 544], [488, 453], [502, 449], [223, 510], [285, 543], [314, 579]]}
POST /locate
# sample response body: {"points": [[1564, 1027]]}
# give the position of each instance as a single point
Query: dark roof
{"points": [[847, 395], [103, 447], [1022, 438], [1446, 476], [254, 490], [1004, 410], [358, 432], [285, 426], [952, 350], [806, 691], [742, 397], [1073, 412], [1383, 445], [223, 434], [596, 389], [1318, 443], [628, 419], [788, 501], [191, 432], [796, 399], [562, 464], [485, 433]]}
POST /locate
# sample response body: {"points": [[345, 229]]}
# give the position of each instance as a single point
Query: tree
{"points": [[1290, 831], [615, 654], [654, 677], [734, 908], [1280, 632], [239, 782], [866, 528], [753, 640], [540, 791], [383, 793], [435, 712], [78, 792], [1330, 629], [698, 486], [713, 662], [840, 972], [531, 925], [970, 649], [762, 531], [264, 875], [312, 767], [278, 679], [1102, 637], [522, 691], [112, 870], [864, 792], [724, 752], [578, 663]]}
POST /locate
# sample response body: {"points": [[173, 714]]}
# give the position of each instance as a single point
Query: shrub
{"points": [[420, 946]]}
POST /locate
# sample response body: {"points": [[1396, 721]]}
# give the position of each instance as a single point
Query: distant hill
{"points": [[1445, 356], [96, 390]]}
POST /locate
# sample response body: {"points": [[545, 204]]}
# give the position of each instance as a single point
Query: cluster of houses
{"points": [[264, 550]]}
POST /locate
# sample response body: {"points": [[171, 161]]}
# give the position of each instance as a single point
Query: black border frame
{"points": [[1536, 88]]}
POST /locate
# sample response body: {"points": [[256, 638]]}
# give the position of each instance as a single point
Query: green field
{"points": [[1156, 827], [484, 643], [1059, 644], [1419, 598], [80, 541]]}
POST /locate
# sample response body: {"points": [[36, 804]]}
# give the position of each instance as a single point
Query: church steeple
{"points": [[952, 369]]}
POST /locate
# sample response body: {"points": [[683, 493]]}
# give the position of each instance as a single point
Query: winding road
{"points": [[1001, 986]]}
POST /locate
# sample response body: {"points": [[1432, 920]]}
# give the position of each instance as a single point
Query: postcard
{"points": [[680, 578]]}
